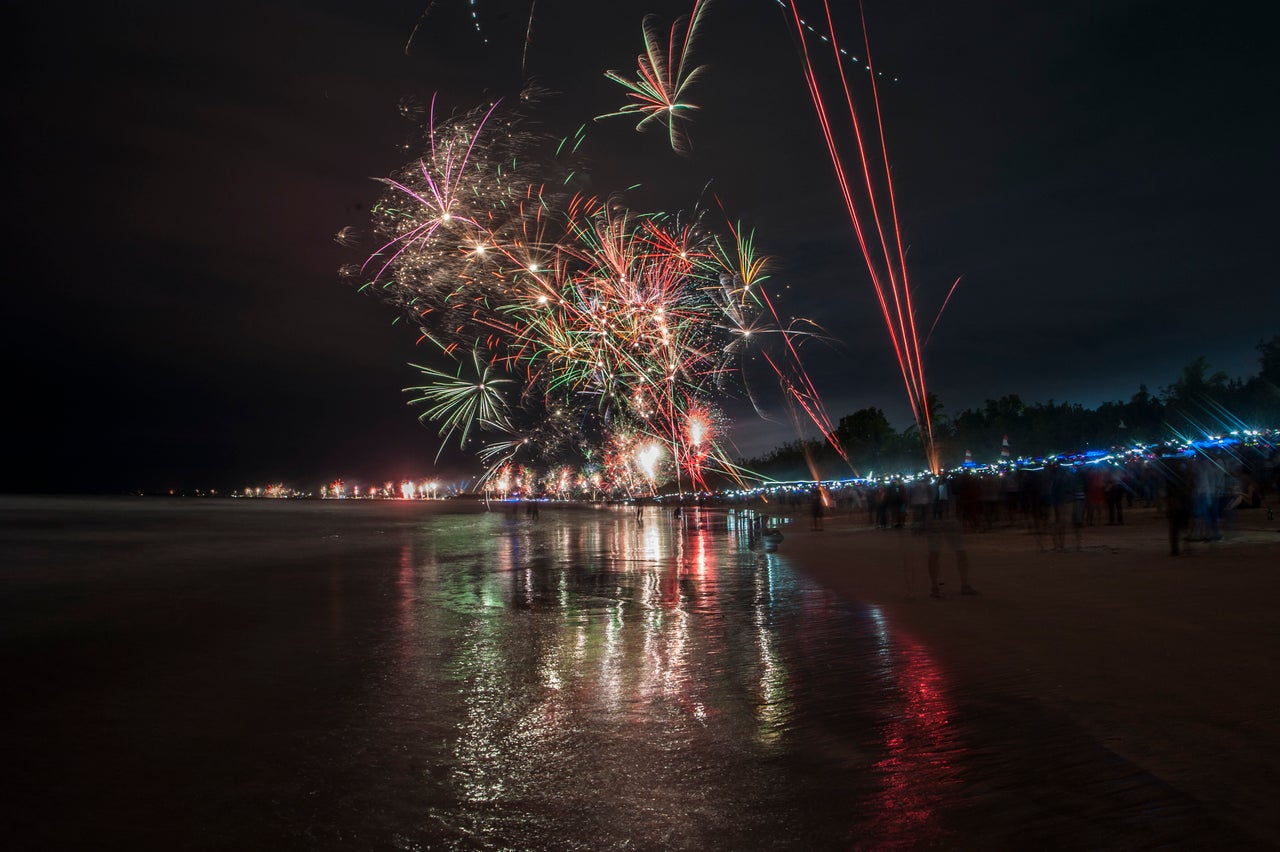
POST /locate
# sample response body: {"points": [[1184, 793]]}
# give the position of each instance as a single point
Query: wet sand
{"points": [[265, 674], [1170, 663]]}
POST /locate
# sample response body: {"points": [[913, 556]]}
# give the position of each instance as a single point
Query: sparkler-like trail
{"points": [[945, 302], [886, 263]]}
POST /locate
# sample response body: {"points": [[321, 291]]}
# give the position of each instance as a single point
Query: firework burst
{"points": [[658, 93], [582, 332], [457, 403]]}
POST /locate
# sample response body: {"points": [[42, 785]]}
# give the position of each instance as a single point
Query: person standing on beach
{"points": [[1078, 496], [1061, 503], [939, 531], [921, 496], [1198, 482], [1095, 493], [816, 508], [1177, 501], [1116, 488]]}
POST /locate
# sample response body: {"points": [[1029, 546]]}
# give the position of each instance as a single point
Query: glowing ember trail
{"points": [[877, 230]]}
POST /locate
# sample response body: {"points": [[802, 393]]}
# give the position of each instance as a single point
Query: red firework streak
{"points": [[801, 389], [887, 266], [795, 382]]}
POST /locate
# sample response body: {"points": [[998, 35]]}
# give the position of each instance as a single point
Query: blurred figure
{"points": [[968, 500], [1207, 484], [1060, 494], [1115, 492], [1177, 501], [1095, 494], [1234, 496], [1011, 486], [921, 496], [1036, 501], [989, 492], [816, 509], [1079, 494], [898, 503], [942, 532]]}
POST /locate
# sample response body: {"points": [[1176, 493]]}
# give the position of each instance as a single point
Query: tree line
{"points": [[1200, 401]]}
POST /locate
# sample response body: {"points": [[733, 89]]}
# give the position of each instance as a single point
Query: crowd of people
{"points": [[1199, 492]]}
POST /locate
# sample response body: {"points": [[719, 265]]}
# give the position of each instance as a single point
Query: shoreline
{"points": [[1168, 662]]}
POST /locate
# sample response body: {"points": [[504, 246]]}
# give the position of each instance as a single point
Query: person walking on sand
{"points": [[939, 532]]}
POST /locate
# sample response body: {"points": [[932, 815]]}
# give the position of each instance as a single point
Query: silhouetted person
{"points": [[944, 532], [816, 509], [1207, 482], [921, 497], [1095, 494], [1061, 502], [1079, 495], [1115, 492], [1177, 501]]}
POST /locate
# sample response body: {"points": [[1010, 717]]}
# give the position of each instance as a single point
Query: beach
{"points": [[1168, 662]]}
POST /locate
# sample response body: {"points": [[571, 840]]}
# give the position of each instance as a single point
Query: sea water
{"points": [[234, 674]]}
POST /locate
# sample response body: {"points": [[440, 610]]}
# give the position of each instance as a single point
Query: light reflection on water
{"points": [[659, 683], [232, 675]]}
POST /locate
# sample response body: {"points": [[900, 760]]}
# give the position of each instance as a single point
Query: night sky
{"points": [[1100, 173]]}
